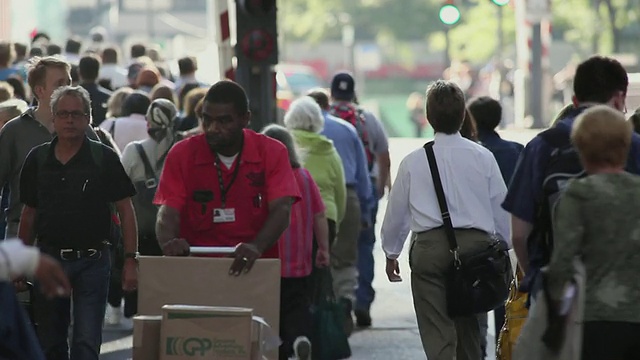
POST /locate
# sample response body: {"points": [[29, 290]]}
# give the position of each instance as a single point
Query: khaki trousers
{"points": [[344, 252], [443, 338]]}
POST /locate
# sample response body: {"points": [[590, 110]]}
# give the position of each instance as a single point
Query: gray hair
{"points": [[304, 114], [281, 134], [76, 91]]}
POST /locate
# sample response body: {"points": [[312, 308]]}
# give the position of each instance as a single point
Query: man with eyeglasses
{"points": [[32, 128], [67, 187]]}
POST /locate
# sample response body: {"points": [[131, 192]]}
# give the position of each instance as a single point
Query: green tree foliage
{"points": [[475, 37], [591, 25], [314, 20]]}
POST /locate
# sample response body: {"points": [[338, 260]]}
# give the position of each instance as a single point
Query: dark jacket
{"points": [[99, 97], [506, 152]]}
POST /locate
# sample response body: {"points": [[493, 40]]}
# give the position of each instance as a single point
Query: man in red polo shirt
{"points": [[227, 187]]}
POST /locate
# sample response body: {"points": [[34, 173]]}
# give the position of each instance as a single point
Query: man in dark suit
{"points": [[487, 113], [89, 68]]}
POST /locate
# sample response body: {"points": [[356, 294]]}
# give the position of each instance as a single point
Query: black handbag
{"points": [[477, 282]]}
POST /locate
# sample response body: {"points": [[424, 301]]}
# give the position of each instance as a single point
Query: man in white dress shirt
{"points": [[474, 190]]}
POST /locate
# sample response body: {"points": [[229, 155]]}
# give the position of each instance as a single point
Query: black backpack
{"points": [[562, 166]]}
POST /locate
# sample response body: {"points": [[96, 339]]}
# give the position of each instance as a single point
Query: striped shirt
{"points": [[296, 242]]}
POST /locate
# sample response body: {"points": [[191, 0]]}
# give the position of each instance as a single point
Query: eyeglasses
{"points": [[75, 115]]}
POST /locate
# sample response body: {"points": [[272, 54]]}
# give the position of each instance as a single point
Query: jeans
{"points": [[89, 279], [365, 293], [17, 337]]}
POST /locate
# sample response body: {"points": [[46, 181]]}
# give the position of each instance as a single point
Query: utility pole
{"points": [[151, 30], [537, 74]]}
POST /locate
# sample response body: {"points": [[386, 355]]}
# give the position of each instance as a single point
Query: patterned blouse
{"points": [[597, 218]]}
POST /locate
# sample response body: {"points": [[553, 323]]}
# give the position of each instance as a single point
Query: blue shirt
{"points": [[506, 152], [7, 72], [351, 151], [526, 184]]}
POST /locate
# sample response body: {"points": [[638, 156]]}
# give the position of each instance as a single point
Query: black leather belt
{"points": [[75, 254], [72, 254]]}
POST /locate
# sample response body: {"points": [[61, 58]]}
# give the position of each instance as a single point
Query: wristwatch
{"points": [[131, 255]]}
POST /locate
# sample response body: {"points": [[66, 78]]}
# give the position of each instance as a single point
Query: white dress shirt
{"points": [[117, 75], [473, 187], [127, 129]]}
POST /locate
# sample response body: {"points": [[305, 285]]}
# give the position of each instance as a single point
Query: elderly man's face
{"points": [[223, 125], [70, 119]]}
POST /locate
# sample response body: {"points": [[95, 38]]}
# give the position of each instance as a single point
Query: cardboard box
{"points": [[146, 337], [205, 332], [206, 281]]}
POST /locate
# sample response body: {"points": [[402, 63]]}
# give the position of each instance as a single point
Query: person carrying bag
{"points": [[478, 282], [458, 270]]}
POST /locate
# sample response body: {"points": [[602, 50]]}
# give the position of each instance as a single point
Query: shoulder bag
{"points": [[477, 282]]}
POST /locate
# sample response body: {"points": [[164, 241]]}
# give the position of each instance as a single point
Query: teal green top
{"points": [[319, 156], [597, 219]]}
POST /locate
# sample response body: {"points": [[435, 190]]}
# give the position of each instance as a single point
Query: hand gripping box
{"points": [[205, 332]]}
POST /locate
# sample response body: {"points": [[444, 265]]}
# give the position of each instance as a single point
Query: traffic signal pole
{"points": [[257, 53], [258, 82]]}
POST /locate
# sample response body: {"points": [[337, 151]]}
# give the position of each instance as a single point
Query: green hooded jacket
{"points": [[319, 156]]}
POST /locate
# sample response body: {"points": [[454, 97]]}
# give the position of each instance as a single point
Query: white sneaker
{"points": [[113, 316], [302, 348]]}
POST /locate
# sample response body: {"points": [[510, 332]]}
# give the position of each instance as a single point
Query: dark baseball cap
{"points": [[343, 86]]}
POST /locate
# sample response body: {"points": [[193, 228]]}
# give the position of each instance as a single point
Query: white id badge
{"points": [[224, 215]]}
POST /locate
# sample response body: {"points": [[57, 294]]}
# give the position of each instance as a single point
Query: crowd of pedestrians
{"points": [[104, 160]]}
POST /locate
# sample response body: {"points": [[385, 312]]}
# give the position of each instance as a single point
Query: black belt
{"points": [[72, 254], [456, 229], [351, 186]]}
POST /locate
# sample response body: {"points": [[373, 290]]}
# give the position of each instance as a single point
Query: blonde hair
{"points": [[38, 69], [192, 99], [115, 102], [602, 136]]}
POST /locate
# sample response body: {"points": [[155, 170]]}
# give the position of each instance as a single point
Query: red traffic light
{"points": [[257, 45], [256, 7]]}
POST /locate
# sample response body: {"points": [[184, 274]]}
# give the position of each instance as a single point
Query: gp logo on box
{"points": [[198, 347], [188, 346]]}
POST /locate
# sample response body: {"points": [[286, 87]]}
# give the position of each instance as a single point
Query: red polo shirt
{"points": [[189, 171]]}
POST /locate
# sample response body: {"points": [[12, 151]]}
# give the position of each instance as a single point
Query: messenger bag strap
{"points": [[148, 169], [442, 201]]}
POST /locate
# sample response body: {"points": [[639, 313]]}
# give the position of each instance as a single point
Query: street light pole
{"points": [[447, 48], [500, 57], [150, 19]]}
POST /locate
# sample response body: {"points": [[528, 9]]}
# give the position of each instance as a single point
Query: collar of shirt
{"points": [[250, 153], [447, 139], [84, 149]]}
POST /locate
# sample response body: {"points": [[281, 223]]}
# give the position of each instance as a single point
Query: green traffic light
{"points": [[449, 14], [500, 2]]}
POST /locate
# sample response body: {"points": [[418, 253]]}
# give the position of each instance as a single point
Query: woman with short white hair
{"points": [[318, 155]]}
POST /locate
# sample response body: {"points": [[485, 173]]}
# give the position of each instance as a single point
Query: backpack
{"points": [[355, 116], [562, 166], [145, 210]]}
